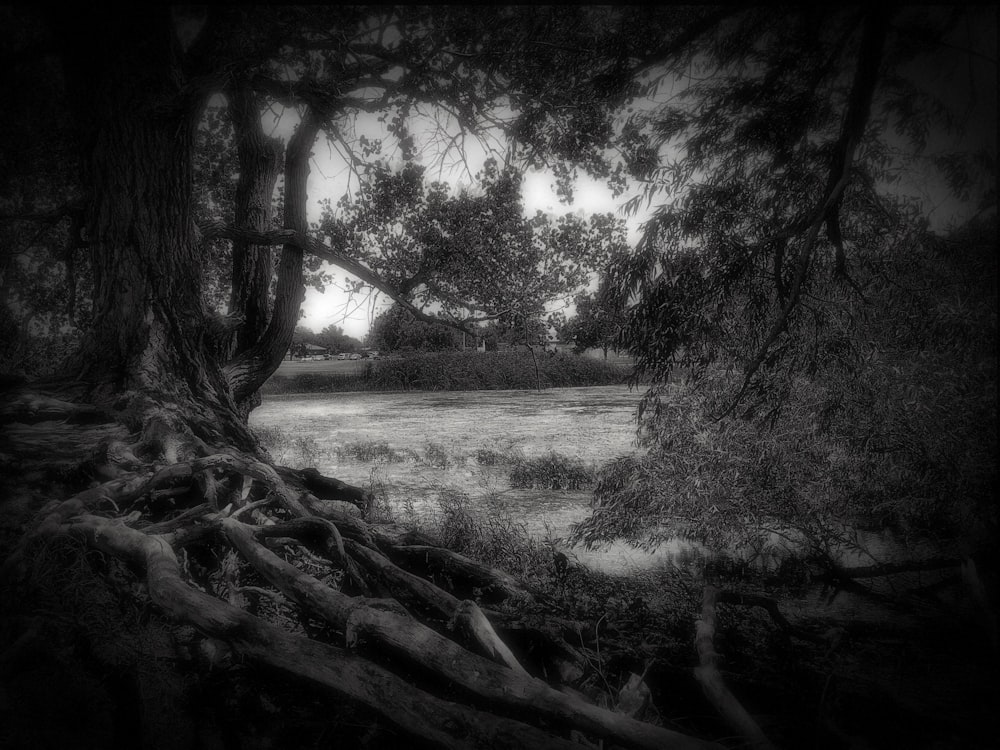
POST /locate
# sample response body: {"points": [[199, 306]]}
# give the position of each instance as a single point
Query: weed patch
{"points": [[499, 453], [298, 452], [436, 455], [370, 450], [485, 530], [552, 471]]}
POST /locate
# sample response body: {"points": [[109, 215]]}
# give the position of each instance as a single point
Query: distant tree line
{"points": [[397, 330]]}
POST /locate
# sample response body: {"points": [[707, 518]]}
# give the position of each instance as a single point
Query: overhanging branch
{"points": [[308, 244], [856, 118]]}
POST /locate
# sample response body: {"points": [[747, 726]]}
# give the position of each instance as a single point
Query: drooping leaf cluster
{"points": [[775, 161], [893, 429]]}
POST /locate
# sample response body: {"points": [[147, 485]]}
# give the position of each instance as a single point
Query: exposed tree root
{"points": [[493, 585], [350, 574], [470, 621], [445, 724]]}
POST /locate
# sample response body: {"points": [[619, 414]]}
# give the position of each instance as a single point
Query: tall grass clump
{"points": [[296, 451], [274, 439], [370, 450], [498, 452], [380, 510], [485, 530], [437, 456], [551, 471]]}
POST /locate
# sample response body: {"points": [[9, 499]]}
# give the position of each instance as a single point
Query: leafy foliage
{"points": [[774, 164], [471, 252], [332, 338], [397, 329], [894, 426], [552, 471], [597, 321]]}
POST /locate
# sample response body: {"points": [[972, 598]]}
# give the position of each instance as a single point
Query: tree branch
{"points": [[307, 243], [858, 110]]}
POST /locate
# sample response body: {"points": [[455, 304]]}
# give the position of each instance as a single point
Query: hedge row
{"points": [[458, 371]]}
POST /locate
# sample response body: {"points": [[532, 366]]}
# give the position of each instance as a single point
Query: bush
{"points": [[458, 371], [552, 471], [436, 455], [370, 450], [879, 415], [499, 453], [486, 531]]}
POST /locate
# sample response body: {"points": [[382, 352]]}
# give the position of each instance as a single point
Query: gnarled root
{"points": [[443, 638]]}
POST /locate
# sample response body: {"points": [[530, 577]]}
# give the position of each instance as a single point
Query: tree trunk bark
{"points": [[149, 348], [259, 162], [252, 367]]}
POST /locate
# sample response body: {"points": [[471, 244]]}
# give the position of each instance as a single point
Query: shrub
{"points": [[370, 450], [485, 530], [436, 455], [551, 471], [458, 371], [499, 452], [380, 510]]}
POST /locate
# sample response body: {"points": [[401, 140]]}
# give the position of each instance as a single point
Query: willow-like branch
{"points": [[858, 110]]}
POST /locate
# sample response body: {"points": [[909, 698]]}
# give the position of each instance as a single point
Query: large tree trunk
{"points": [[151, 338]]}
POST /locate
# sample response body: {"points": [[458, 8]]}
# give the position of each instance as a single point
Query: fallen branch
{"points": [[888, 569], [771, 607], [710, 678]]}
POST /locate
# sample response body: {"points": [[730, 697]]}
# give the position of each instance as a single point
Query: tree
{"points": [[147, 420], [815, 112], [397, 329], [597, 321], [334, 339], [779, 267], [474, 252]]}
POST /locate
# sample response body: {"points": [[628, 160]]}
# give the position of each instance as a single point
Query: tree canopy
{"points": [[791, 273], [784, 159]]}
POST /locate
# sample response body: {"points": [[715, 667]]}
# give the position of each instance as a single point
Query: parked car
{"points": [[355, 356], [342, 355]]}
